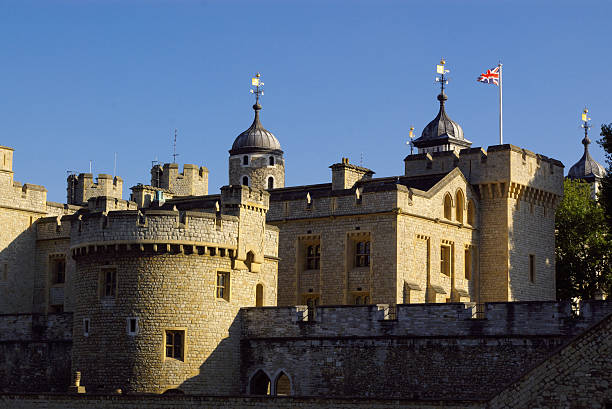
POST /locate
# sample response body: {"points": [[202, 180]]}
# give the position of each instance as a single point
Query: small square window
{"points": [[132, 326], [86, 327], [175, 344], [223, 285]]}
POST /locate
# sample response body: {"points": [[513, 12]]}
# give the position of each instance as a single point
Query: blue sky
{"points": [[83, 80]]}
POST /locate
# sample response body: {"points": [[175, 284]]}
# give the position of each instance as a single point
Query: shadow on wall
{"points": [[17, 270], [219, 374]]}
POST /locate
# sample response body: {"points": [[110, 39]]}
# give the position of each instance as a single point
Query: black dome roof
{"points": [[441, 129], [256, 138], [586, 168]]}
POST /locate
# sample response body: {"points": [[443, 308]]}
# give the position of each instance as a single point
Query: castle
{"points": [[439, 280]]}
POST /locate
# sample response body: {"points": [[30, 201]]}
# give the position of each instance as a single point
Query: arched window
{"points": [[245, 160], [249, 259], [459, 208], [448, 204], [259, 295], [271, 160], [270, 182], [260, 384], [470, 213], [245, 180], [283, 385]]}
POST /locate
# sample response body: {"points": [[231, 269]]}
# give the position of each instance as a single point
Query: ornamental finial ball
{"points": [[442, 62]]}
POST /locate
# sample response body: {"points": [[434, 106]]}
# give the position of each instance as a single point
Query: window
{"points": [[313, 257], [108, 282], [362, 254], [361, 299], [245, 180], [445, 260], [532, 271], [459, 208], [308, 201], [223, 285], [283, 385], [311, 301], [4, 276], [86, 327], [245, 160], [175, 344], [58, 270], [470, 213], [260, 384], [250, 257], [259, 295], [468, 263], [270, 182], [358, 196], [132, 326], [448, 204], [271, 160]]}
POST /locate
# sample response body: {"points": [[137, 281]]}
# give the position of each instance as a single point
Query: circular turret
{"points": [[256, 158], [587, 168]]}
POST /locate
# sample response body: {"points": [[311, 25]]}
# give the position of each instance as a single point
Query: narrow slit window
{"points": [[532, 268], [223, 285]]}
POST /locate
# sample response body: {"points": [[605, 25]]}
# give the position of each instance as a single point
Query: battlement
{"points": [[345, 175], [501, 163], [6, 159], [193, 181], [81, 188], [423, 320], [159, 229], [236, 196]]}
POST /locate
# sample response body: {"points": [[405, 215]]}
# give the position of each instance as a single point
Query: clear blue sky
{"points": [[83, 79]]}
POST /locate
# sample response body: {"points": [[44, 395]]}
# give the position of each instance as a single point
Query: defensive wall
{"points": [[81, 188], [416, 351], [193, 181], [35, 352]]}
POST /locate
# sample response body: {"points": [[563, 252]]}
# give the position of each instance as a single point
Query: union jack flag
{"points": [[490, 77]]}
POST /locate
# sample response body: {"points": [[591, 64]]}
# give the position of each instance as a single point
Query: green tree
{"points": [[605, 194], [583, 245]]}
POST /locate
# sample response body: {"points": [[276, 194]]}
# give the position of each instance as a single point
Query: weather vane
{"points": [[442, 78], [258, 84], [411, 136], [585, 122]]}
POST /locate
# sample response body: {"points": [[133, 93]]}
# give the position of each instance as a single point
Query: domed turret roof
{"points": [[586, 168], [442, 130], [256, 138]]}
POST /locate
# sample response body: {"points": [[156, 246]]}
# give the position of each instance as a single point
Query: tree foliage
{"points": [[583, 245], [605, 194]]}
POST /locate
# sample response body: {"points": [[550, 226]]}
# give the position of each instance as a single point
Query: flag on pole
{"points": [[490, 77]]}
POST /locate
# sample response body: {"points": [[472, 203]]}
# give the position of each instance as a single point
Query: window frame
{"points": [[532, 268], [222, 292], [246, 160], [270, 178], [468, 263], [183, 347], [103, 285], [313, 260], [446, 265], [129, 320], [363, 258]]}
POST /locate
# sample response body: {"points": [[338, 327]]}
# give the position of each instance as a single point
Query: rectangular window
{"points": [[313, 257], [223, 285], [4, 276], [175, 344], [86, 327], [445, 260], [132, 326], [362, 253], [532, 271], [108, 282], [58, 270], [468, 263], [311, 301]]}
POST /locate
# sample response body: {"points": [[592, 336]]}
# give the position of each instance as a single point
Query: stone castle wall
{"points": [[35, 352], [428, 352]]}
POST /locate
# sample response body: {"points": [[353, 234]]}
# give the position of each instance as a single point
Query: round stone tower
{"points": [[256, 158], [159, 294]]}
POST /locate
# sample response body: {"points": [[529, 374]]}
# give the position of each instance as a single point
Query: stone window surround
{"points": [[352, 238], [248, 180], [532, 268], [102, 284], [129, 320], [54, 276], [448, 269], [225, 289], [268, 182], [184, 343]]}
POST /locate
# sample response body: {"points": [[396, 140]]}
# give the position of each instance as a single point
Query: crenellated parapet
{"points": [[423, 320], [81, 188], [193, 181]]}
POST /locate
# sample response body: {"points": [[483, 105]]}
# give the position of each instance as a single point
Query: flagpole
{"points": [[501, 120]]}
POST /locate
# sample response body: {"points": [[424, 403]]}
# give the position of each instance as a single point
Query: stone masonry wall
{"points": [[428, 352], [35, 352], [258, 170]]}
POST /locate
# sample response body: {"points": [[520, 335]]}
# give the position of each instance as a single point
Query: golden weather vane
{"points": [[585, 121], [258, 84], [411, 136], [440, 70]]}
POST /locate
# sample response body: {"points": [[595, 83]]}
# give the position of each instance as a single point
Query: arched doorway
{"points": [[283, 385], [260, 384]]}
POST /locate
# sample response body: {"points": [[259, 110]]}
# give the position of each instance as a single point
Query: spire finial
{"points": [[442, 79], [411, 136], [174, 154], [586, 125], [258, 84]]}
